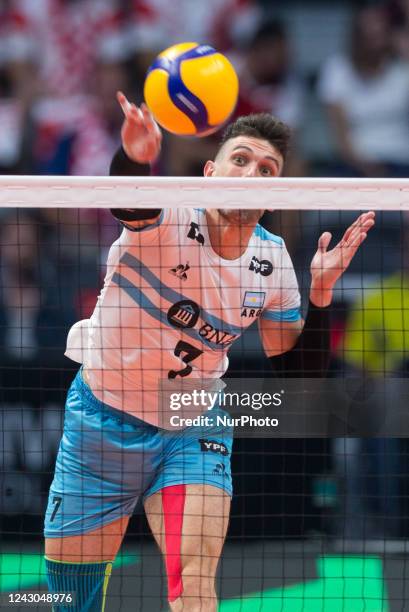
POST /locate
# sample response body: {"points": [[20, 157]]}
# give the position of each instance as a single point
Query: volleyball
{"points": [[191, 89]]}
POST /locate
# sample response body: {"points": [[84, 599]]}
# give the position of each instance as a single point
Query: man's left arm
{"points": [[299, 349], [302, 349]]}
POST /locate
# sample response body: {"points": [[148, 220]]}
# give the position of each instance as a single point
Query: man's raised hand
{"points": [[141, 136], [328, 266]]}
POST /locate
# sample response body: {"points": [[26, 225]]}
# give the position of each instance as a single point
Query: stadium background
{"points": [[60, 65]]}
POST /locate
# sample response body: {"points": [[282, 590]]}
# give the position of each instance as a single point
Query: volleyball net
{"points": [[318, 515]]}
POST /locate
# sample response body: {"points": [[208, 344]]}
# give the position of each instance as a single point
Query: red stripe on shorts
{"points": [[173, 504]]}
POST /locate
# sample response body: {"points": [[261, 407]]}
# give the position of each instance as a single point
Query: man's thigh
{"points": [[99, 545], [188, 505], [104, 464], [195, 456], [189, 523]]}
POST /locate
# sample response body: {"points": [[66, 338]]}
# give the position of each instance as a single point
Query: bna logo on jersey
{"points": [[184, 314]]}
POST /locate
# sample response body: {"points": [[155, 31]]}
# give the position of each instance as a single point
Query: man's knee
{"points": [[198, 594], [194, 604], [201, 585], [196, 586]]}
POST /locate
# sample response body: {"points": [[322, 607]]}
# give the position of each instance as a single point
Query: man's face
{"points": [[245, 156]]}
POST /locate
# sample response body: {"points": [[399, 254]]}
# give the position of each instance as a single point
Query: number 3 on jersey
{"points": [[191, 353]]}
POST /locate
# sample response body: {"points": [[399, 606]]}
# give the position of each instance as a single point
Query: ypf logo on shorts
{"points": [[263, 267], [213, 446]]}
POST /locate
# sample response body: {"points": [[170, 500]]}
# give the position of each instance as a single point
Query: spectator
{"points": [[268, 80], [366, 94], [97, 134], [377, 332], [72, 40], [16, 83], [157, 24], [398, 13], [33, 323], [376, 345]]}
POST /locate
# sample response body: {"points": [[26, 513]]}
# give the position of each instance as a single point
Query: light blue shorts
{"points": [[108, 460]]}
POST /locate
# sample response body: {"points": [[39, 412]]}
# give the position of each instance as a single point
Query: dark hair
{"points": [[263, 126], [268, 31]]}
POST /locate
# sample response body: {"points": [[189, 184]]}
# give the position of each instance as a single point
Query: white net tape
{"points": [[154, 192]]}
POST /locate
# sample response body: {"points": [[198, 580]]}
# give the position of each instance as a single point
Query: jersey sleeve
{"points": [[285, 301]]}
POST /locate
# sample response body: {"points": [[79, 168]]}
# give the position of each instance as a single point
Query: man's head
{"points": [[252, 146]]}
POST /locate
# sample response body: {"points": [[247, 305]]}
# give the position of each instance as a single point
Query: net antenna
{"points": [[182, 192]]}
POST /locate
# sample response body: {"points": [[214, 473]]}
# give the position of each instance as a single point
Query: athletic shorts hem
{"points": [[187, 481], [76, 532]]}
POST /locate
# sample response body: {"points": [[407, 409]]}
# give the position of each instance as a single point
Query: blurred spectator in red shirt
{"points": [[72, 40], [269, 82]]}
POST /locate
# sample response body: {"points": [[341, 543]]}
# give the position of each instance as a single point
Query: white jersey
{"points": [[171, 307]]}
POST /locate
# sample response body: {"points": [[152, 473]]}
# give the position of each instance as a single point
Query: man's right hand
{"points": [[141, 136]]}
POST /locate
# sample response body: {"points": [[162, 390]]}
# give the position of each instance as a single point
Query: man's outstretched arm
{"points": [[310, 353], [141, 144]]}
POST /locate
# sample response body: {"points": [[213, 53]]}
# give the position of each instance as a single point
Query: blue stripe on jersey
{"points": [[173, 296], [293, 314], [263, 234], [149, 307]]}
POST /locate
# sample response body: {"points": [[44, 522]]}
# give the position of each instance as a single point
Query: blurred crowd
{"points": [[339, 75], [61, 62]]}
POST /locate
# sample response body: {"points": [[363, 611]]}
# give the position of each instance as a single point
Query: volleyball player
{"points": [[181, 286]]}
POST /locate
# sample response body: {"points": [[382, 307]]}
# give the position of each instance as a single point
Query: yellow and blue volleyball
{"points": [[191, 89]]}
